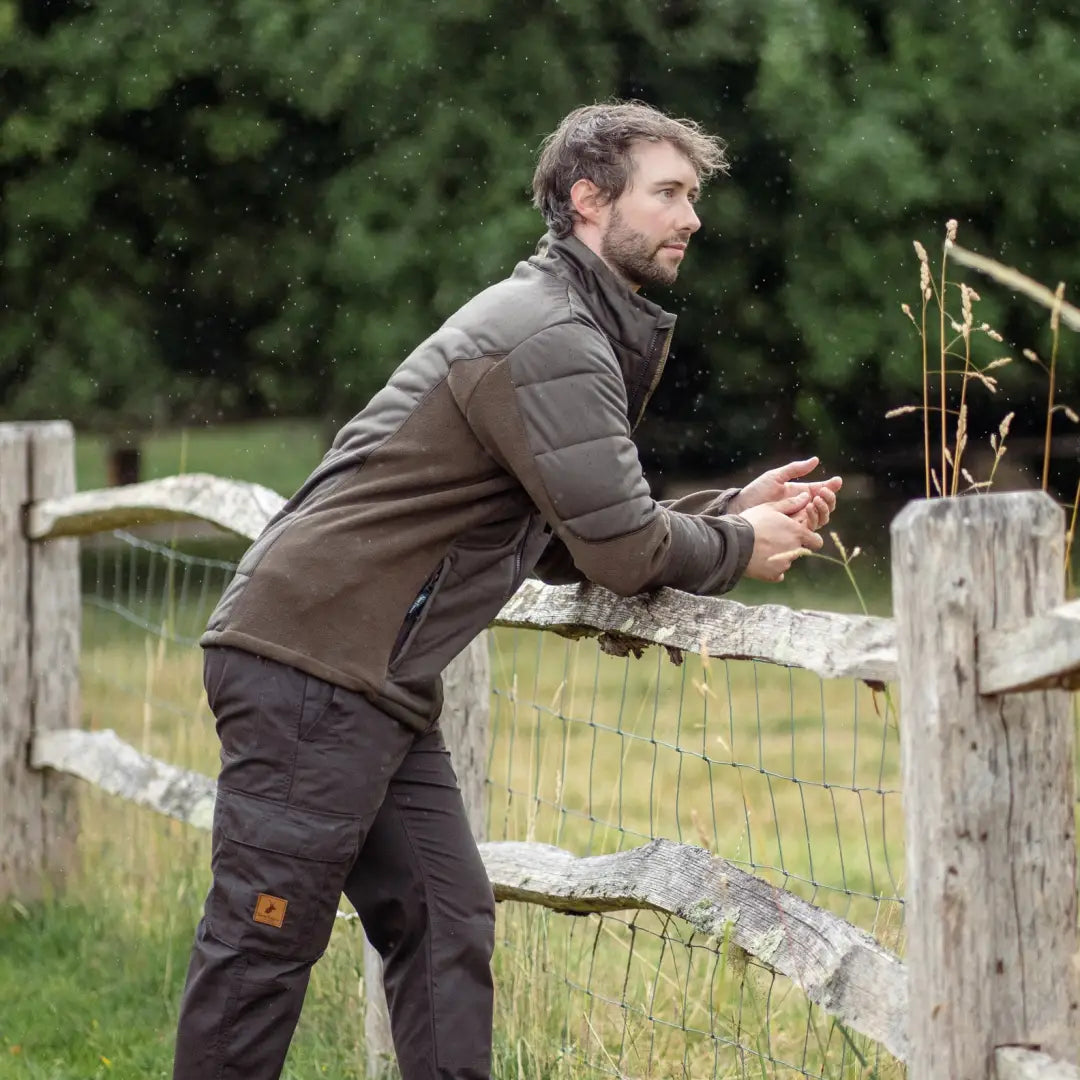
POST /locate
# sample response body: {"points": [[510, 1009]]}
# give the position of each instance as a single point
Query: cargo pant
{"points": [[319, 794]]}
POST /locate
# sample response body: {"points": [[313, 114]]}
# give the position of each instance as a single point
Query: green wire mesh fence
{"points": [[791, 777]]}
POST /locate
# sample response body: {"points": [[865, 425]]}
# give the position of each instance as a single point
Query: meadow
{"points": [[276, 453]]}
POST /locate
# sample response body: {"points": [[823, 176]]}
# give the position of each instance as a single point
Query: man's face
{"points": [[648, 226]]}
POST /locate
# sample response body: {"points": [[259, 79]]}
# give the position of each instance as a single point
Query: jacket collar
{"points": [[639, 330]]}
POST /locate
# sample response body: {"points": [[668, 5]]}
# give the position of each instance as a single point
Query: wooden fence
{"points": [[982, 647]]}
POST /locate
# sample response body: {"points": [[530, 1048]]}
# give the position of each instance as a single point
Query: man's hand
{"points": [[779, 484], [780, 537]]}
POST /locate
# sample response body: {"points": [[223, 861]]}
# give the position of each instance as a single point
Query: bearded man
{"points": [[500, 447]]}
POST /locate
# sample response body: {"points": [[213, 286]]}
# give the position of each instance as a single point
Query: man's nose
{"points": [[691, 221]]}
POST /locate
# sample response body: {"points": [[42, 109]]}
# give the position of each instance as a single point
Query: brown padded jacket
{"points": [[500, 446]]}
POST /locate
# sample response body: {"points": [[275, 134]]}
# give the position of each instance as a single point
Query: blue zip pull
{"points": [[418, 604]]}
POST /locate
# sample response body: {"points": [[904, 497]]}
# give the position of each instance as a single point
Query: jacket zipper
{"points": [[640, 390], [411, 616], [518, 556]]}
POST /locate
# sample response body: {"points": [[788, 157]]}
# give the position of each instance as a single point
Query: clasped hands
{"points": [[786, 516]]}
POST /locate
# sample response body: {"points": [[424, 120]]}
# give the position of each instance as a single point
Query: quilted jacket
{"points": [[500, 446]]}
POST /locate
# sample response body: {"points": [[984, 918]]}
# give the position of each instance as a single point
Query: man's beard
{"points": [[633, 257]]}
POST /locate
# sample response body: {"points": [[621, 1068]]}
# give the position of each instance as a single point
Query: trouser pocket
{"points": [[278, 875]]}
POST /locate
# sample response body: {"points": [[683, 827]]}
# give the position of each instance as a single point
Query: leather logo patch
{"points": [[270, 910]]}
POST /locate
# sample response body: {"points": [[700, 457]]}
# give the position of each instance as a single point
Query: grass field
{"points": [[278, 454]]}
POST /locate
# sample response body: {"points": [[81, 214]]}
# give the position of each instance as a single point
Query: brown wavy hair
{"points": [[594, 143]]}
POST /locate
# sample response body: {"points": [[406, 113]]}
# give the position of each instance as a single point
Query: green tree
{"points": [[897, 118], [227, 209]]}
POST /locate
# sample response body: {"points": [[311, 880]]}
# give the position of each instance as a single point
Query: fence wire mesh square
{"points": [[790, 777]]}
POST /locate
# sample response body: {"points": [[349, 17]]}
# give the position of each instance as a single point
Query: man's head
{"points": [[623, 177]]}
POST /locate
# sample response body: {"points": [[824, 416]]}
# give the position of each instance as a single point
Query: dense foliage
{"points": [[259, 206]]}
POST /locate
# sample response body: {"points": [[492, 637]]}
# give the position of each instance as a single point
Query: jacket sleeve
{"points": [[554, 413], [702, 502], [556, 564]]}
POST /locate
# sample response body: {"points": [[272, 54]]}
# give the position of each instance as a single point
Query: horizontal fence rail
{"points": [[830, 645], [1042, 653], [1020, 1063], [839, 967], [232, 505], [102, 758]]}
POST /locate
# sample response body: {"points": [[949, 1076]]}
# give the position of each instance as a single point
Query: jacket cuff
{"points": [[720, 507], [741, 532]]}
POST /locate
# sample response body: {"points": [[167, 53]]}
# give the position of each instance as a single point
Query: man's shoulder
{"points": [[518, 308]]}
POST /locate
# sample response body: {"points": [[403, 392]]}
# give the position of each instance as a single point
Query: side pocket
{"points": [[278, 875], [416, 615], [318, 697], [213, 668]]}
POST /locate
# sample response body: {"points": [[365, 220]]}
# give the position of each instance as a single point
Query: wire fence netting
{"points": [[792, 778]]}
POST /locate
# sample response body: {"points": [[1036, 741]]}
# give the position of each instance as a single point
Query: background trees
{"points": [[224, 210]]}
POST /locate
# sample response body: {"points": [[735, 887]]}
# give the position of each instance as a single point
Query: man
{"points": [[500, 446]]}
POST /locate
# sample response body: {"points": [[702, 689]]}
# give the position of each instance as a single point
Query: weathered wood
{"points": [[838, 966], [1039, 654], [991, 913], [464, 721], [1019, 1063], [20, 789], [833, 646], [378, 1040], [233, 505], [55, 641], [105, 760]]}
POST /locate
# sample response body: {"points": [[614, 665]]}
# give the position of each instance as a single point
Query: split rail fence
{"points": [[982, 647]]}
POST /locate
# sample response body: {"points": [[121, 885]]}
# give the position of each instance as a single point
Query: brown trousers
{"points": [[320, 793]]}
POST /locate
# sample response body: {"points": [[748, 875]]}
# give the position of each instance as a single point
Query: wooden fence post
{"points": [[465, 721], [39, 655], [988, 783]]}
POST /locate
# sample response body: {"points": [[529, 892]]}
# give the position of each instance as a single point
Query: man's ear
{"points": [[588, 201]]}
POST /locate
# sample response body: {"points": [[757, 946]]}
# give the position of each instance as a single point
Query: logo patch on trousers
{"points": [[270, 910]]}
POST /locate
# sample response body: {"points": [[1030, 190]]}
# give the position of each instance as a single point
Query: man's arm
{"points": [[556, 565], [553, 412]]}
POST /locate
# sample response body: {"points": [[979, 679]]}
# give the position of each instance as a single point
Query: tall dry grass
{"points": [[956, 360]]}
